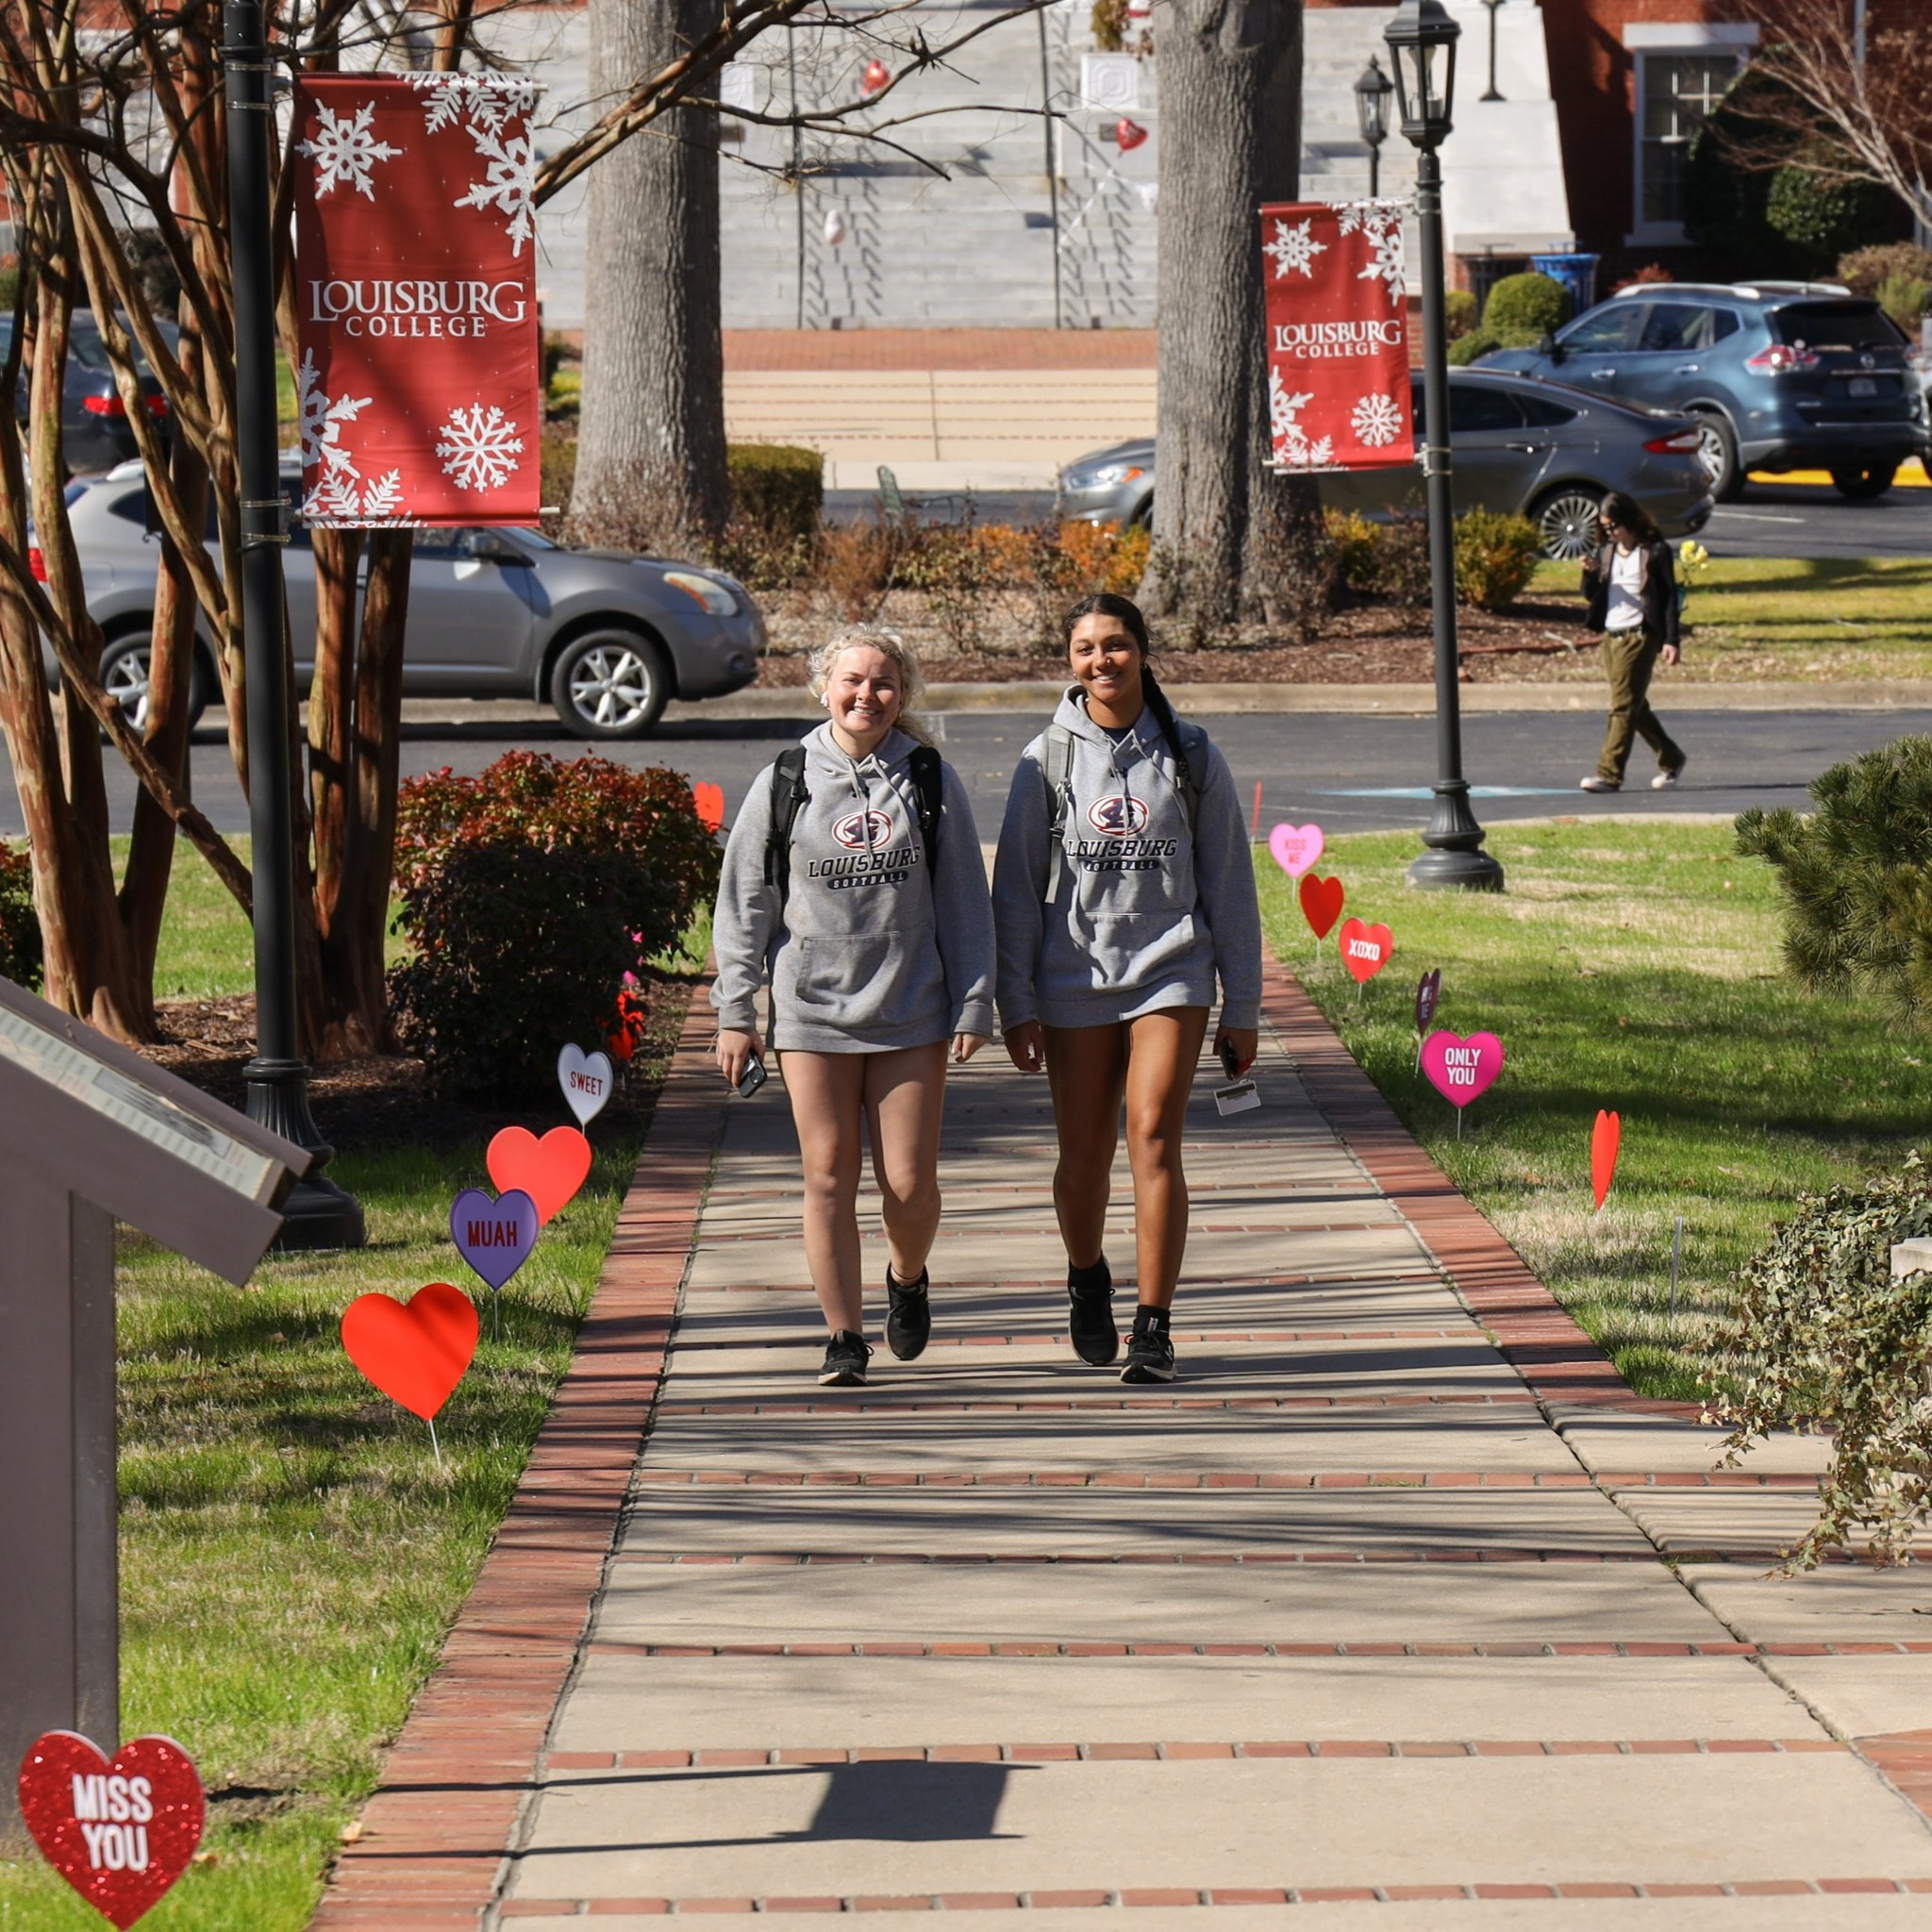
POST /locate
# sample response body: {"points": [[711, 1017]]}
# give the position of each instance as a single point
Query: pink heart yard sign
{"points": [[1295, 847], [1461, 1070]]}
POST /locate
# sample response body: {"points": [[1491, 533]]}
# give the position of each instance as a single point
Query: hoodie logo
{"points": [[863, 831], [1118, 818]]}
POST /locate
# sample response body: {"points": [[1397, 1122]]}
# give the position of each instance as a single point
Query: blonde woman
{"points": [[853, 880]]}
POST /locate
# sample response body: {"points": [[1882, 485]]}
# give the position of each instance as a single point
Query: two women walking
{"points": [[1124, 889]]}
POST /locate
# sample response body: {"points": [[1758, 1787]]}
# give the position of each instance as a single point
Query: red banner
{"points": [[1338, 335], [421, 375]]}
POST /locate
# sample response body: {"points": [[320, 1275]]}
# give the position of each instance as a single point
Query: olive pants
{"points": [[1630, 658]]}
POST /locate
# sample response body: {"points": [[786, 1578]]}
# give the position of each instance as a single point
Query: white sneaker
{"points": [[1666, 781], [1595, 784]]}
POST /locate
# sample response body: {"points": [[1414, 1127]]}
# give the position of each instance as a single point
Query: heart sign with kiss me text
{"points": [[416, 1351], [121, 1830], [1365, 949], [586, 1079], [1321, 904], [1295, 847], [1461, 1070], [496, 1237], [550, 1171]]}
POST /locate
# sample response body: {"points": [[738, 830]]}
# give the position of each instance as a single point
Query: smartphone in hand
{"points": [[1229, 1064], [752, 1077]]}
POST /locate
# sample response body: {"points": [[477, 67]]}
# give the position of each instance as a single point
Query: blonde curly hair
{"points": [[890, 644]]}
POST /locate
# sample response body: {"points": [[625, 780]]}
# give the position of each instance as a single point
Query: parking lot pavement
{"points": [[1350, 773]]}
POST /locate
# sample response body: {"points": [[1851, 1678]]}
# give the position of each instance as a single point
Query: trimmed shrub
{"points": [[1459, 311], [778, 488], [528, 893], [1495, 556], [1823, 1337], [1905, 299], [1472, 347], [1357, 547], [20, 925], [1521, 309], [1865, 271], [1821, 217]]}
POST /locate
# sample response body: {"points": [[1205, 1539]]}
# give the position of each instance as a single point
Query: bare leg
{"points": [[828, 1093], [1164, 1049], [905, 1104], [1086, 1068]]}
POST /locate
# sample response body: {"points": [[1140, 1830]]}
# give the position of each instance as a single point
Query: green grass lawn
{"points": [[1634, 967], [1829, 617], [291, 1552]]}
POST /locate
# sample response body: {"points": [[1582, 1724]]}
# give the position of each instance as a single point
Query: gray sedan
{"points": [[609, 639], [1540, 449]]}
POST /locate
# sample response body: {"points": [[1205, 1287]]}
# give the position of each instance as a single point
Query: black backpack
{"points": [[789, 797]]}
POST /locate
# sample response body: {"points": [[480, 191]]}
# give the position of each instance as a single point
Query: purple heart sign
{"points": [[495, 1236], [1426, 994]]}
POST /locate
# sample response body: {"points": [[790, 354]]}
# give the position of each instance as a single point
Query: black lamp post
{"points": [[1421, 46], [1372, 91], [317, 1213], [1489, 94]]}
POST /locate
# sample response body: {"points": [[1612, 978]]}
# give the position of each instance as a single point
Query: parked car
{"points": [[93, 420], [1539, 449], [1780, 375], [607, 638]]}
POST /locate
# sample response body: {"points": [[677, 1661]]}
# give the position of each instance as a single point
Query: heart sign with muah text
{"points": [[1365, 949], [121, 1830], [1461, 1070], [496, 1237]]}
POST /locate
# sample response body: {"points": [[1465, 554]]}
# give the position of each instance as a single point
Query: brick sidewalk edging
{"points": [[434, 1836], [1534, 1332]]}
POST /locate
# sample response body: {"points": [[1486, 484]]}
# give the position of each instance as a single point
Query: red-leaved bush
{"points": [[20, 927]]}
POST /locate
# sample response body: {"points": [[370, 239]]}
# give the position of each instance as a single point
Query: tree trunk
{"points": [[1230, 103], [650, 471]]}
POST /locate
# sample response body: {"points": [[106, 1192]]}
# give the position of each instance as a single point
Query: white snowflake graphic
{"points": [[1294, 249], [493, 109], [479, 447], [322, 420], [1292, 447], [510, 184], [345, 150], [335, 504], [383, 499], [1376, 421], [1381, 221], [476, 100]]}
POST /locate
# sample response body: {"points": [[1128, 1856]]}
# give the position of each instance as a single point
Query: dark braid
{"points": [[1169, 724], [1111, 604]]}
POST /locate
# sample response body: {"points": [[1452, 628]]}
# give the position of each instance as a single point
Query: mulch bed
{"points": [[1368, 643], [386, 1101]]}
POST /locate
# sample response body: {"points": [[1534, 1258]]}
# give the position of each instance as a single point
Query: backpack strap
{"points": [[789, 798], [1057, 774], [1190, 755], [929, 795]]}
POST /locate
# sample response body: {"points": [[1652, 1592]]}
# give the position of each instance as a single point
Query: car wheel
{"points": [[1861, 485], [124, 679], [610, 684], [1566, 522], [1717, 456]]}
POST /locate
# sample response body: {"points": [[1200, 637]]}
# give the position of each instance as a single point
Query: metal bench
{"points": [[900, 509]]}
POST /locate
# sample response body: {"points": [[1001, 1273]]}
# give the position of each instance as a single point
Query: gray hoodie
{"points": [[1140, 916], [870, 951]]}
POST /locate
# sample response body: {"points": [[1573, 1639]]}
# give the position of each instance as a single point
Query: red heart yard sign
{"points": [[1605, 1138], [119, 1832], [1321, 903], [1365, 949], [550, 1171], [1130, 134], [417, 1351]]}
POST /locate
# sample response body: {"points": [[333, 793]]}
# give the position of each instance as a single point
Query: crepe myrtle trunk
{"points": [[650, 470], [1225, 526]]}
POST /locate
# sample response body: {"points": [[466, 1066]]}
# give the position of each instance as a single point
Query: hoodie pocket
{"points": [[853, 980]]}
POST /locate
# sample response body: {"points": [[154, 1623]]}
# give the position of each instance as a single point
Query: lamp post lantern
{"points": [[1372, 91], [1421, 46], [317, 1213]]}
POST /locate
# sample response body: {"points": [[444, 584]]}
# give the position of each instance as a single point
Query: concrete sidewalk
{"points": [[1371, 1606]]}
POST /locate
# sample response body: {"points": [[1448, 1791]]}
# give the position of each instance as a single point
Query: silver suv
{"points": [[609, 639]]}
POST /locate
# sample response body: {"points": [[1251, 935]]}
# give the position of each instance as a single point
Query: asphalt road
{"points": [[1347, 773], [1797, 520]]}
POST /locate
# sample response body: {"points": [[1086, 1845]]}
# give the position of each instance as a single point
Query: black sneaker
{"points": [[908, 1315], [1090, 1321], [846, 1355], [1149, 1357]]}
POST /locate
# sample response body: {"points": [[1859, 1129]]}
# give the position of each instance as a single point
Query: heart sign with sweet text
{"points": [[709, 800], [586, 1079], [1321, 904], [416, 1351], [1365, 949], [1461, 1070], [1295, 847], [1428, 991], [119, 1830], [1605, 1139], [496, 1237], [550, 1171]]}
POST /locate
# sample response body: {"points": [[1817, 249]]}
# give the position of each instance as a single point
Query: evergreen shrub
{"points": [[1495, 556], [1459, 307], [778, 488], [1521, 309], [20, 925]]}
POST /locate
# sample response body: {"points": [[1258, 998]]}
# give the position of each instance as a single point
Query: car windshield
{"points": [[1837, 325]]}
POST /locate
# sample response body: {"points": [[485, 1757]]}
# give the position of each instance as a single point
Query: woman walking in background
{"points": [[1632, 586], [854, 879], [1123, 887]]}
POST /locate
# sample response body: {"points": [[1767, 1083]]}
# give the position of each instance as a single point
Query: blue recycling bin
{"points": [[1578, 273]]}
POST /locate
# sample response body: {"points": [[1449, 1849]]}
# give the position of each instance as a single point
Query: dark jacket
{"points": [[1659, 591]]}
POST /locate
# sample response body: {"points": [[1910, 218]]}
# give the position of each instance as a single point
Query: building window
{"points": [[1678, 93]]}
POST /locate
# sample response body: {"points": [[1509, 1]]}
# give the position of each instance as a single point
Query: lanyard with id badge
{"points": [[1239, 1095]]}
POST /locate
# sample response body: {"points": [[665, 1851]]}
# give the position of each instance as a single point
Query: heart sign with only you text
{"points": [[1461, 1070]]}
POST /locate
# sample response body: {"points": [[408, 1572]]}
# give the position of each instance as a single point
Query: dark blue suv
{"points": [[1780, 375]]}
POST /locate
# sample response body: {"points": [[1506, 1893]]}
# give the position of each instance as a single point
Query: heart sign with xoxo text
{"points": [[416, 1351], [1461, 1070], [550, 1171], [1295, 847], [1365, 949], [121, 1830], [1321, 904], [586, 1079]]}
